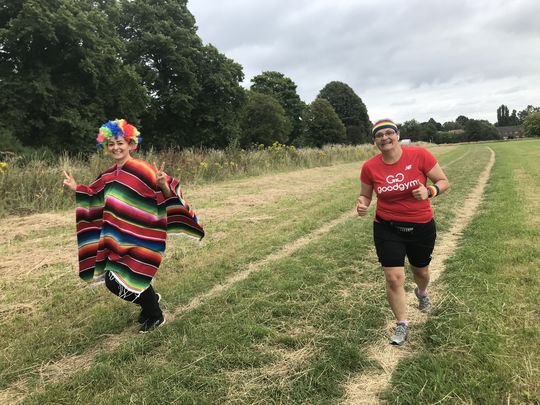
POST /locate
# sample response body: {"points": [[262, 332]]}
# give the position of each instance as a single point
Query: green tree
{"points": [[350, 109], [461, 121], [163, 44], [61, 73], [438, 126], [8, 142], [480, 130], [531, 124], [323, 125], [411, 129], [283, 89], [428, 131], [450, 126], [524, 113], [415, 131], [218, 105], [503, 116], [513, 119], [195, 93], [448, 137], [263, 121]]}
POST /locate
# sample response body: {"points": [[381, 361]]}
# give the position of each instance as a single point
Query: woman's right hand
{"points": [[69, 181], [361, 207]]}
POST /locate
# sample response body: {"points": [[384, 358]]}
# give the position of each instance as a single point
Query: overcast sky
{"points": [[404, 58]]}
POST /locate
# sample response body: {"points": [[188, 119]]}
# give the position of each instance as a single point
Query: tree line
{"points": [[66, 66], [528, 119], [504, 118], [465, 129]]}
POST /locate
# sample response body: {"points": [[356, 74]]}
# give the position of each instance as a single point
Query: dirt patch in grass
{"points": [[14, 394], [287, 368]]}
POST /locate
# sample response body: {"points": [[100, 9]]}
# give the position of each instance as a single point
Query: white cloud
{"points": [[405, 59]]}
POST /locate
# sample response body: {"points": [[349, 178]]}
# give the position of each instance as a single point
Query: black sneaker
{"points": [[152, 323], [142, 317]]}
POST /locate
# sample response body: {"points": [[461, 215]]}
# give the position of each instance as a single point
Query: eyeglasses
{"points": [[388, 133]]}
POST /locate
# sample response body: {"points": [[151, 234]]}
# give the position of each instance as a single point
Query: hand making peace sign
{"points": [[69, 181], [161, 178]]}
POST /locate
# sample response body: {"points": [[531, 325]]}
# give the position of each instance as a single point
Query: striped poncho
{"points": [[122, 224]]}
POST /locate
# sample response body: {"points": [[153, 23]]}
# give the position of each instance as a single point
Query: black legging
{"points": [[148, 300]]}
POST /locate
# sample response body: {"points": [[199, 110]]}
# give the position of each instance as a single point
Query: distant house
{"points": [[510, 132], [405, 141]]}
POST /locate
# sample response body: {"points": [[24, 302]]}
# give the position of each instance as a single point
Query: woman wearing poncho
{"points": [[122, 222]]}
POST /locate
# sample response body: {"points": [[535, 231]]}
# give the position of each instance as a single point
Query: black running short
{"points": [[395, 240]]}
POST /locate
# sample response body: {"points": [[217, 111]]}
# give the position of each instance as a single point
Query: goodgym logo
{"points": [[398, 178], [396, 184]]}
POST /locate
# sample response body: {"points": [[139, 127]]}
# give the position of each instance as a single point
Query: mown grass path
{"points": [[279, 305]]}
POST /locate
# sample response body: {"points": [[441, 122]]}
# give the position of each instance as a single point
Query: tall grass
{"points": [[34, 183]]}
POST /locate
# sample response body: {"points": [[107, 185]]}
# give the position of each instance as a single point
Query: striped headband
{"points": [[382, 124]]}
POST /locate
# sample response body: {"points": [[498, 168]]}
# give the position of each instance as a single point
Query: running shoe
{"points": [[424, 303], [400, 334]]}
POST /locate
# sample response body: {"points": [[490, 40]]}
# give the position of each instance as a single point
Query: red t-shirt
{"points": [[393, 184]]}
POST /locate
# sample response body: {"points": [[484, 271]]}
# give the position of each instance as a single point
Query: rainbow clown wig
{"points": [[114, 129]]}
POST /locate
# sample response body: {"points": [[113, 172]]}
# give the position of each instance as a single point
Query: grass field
{"points": [[284, 300]]}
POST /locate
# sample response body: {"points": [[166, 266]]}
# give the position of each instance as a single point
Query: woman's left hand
{"points": [[420, 193], [161, 178]]}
